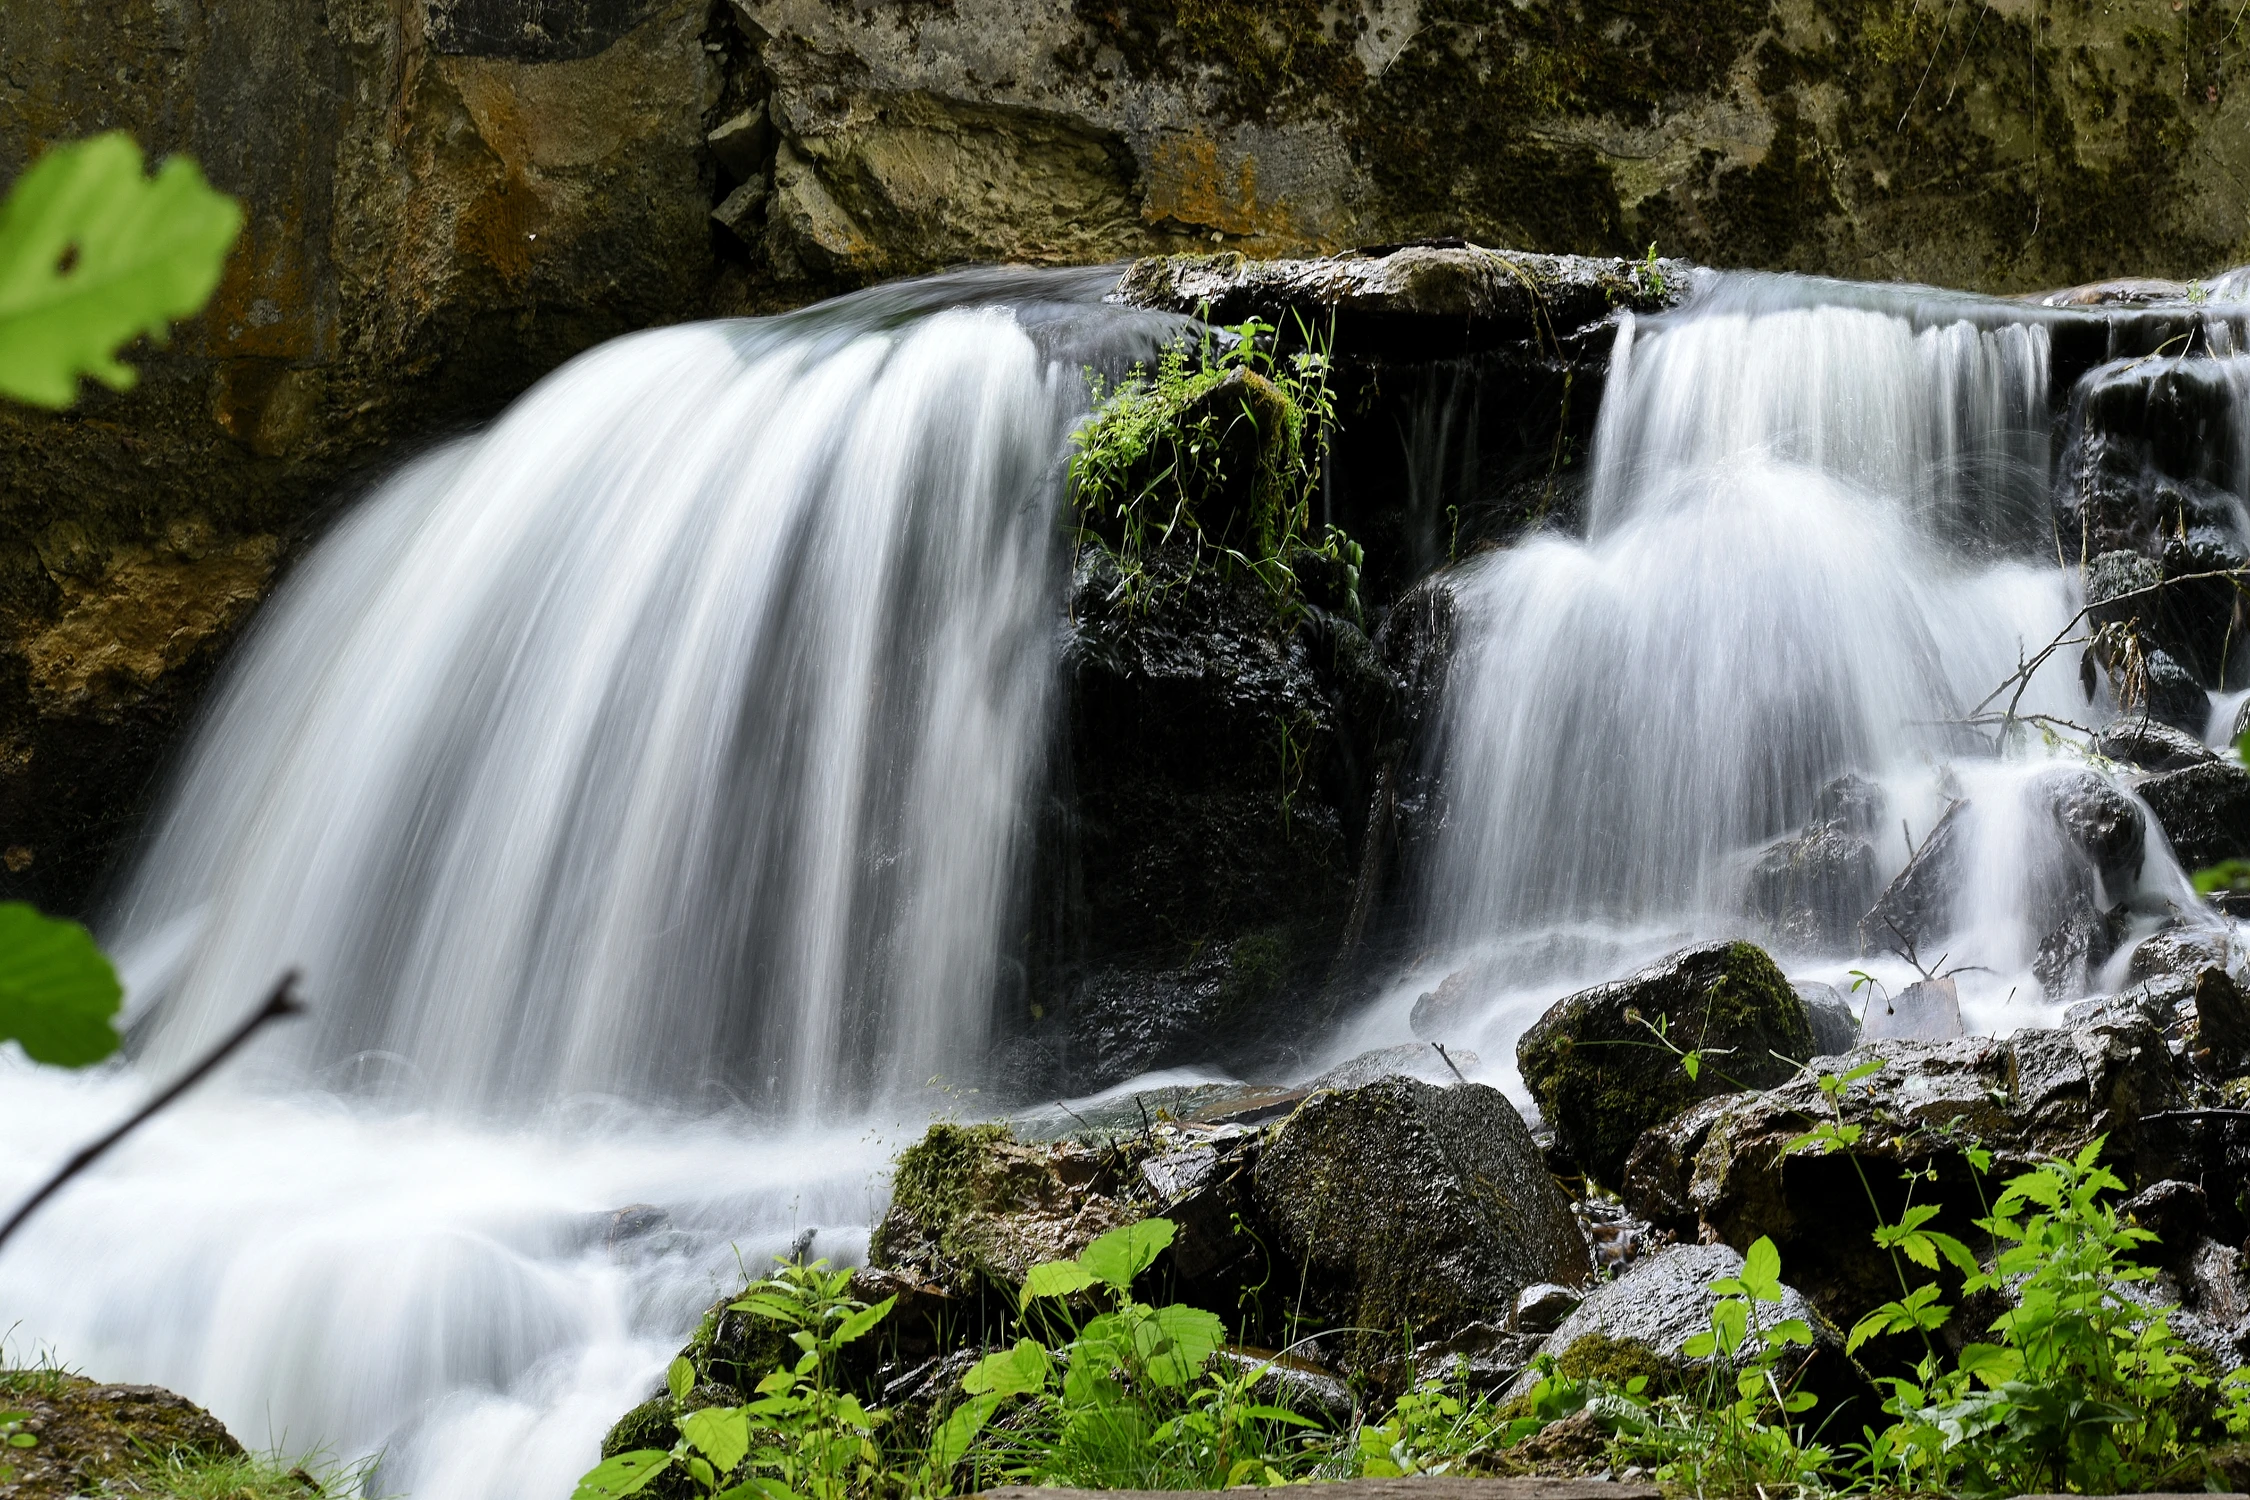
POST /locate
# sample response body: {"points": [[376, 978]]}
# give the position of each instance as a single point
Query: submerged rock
{"points": [[1601, 1076], [1916, 908], [1722, 1170], [1401, 1205], [1809, 891], [2204, 810], [2069, 956]]}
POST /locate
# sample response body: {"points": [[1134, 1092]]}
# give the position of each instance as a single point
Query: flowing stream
{"points": [[641, 787]]}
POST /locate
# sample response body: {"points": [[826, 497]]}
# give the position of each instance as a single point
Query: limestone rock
{"points": [[1403, 1205], [1600, 1076], [1834, 1021], [1929, 1010]]}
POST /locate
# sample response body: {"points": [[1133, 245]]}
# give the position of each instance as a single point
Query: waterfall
{"points": [[1817, 534], [640, 786], [673, 736]]}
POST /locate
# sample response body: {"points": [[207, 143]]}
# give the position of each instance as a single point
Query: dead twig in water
{"points": [[282, 1002]]}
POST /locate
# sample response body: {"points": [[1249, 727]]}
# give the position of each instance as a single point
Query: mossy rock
{"points": [[1601, 1076], [91, 1437], [1400, 1212], [973, 1208]]}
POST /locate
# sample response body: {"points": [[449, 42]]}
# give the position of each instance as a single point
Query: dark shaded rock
{"points": [[2069, 956], [2099, 821], [1643, 1320], [2121, 587], [1809, 892], [1835, 1025], [1199, 859], [2204, 811], [2175, 1212], [2222, 1024], [1482, 1357], [94, 1438], [1541, 1308], [1291, 1382], [1600, 1075], [1400, 1205], [2172, 695], [1929, 1010], [1721, 1168], [2152, 746], [1514, 295], [1917, 906]]}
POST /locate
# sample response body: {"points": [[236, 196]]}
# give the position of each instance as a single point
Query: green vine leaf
{"points": [[58, 994], [93, 253]]}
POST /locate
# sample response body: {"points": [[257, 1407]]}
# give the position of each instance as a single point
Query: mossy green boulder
{"points": [[1601, 1074]]}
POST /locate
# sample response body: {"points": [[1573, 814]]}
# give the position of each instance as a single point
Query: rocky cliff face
{"points": [[448, 197]]}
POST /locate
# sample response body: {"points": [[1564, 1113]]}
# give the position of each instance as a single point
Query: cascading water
{"points": [[639, 787], [1817, 535]]}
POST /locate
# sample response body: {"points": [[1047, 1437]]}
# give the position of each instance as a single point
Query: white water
{"points": [[1817, 536], [639, 787]]}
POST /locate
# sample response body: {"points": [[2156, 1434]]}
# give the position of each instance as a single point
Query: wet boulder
{"points": [[2170, 694], [2099, 821], [1835, 1025], [1405, 1206], [1807, 892], [1640, 1323], [2142, 742], [1601, 1076], [2204, 810], [1916, 908], [1725, 1171], [2071, 954]]}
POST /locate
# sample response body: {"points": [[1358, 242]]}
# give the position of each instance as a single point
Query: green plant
{"points": [[1221, 417], [92, 254], [58, 994], [1131, 1398], [803, 1436], [2083, 1389]]}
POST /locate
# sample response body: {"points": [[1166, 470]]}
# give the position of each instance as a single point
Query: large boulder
{"points": [[2204, 810], [1405, 1206], [1601, 1076], [1725, 1170]]}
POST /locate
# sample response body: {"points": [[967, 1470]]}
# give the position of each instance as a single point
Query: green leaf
{"points": [[1761, 1270], [1122, 1254], [58, 994], [950, 1443], [1057, 1278], [1691, 1063], [859, 1322], [1176, 1342], [719, 1433], [626, 1474], [1011, 1372], [93, 253], [759, 1489], [1990, 1363], [679, 1378]]}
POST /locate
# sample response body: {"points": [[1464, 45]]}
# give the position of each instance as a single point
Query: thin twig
{"points": [[282, 1002], [1449, 1061]]}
